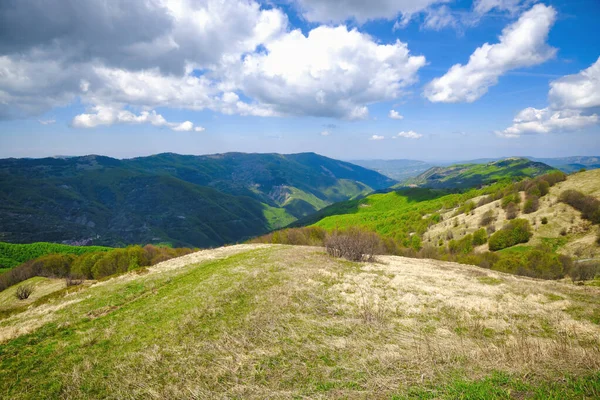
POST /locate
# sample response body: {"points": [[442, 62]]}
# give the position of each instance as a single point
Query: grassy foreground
{"points": [[268, 321]]}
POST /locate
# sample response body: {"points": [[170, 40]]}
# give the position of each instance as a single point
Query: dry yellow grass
{"points": [[582, 233], [272, 321]]}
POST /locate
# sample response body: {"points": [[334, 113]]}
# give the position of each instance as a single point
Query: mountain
{"points": [[282, 322], [399, 170], [184, 200], [461, 176], [571, 164]]}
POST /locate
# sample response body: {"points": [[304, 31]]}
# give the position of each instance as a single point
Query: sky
{"points": [[350, 79]]}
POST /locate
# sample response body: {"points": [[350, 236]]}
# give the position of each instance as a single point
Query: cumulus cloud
{"points": [[234, 57], [333, 72], [360, 10], [101, 115], [168, 34], [545, 120], [199, 129], [580, 90], [377, 137], [574, 100], [325, 133], [395, 115], [522, 44], [408, 135]]}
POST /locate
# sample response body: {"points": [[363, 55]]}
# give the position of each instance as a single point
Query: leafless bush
{"points": [[354, 244], [71, 281], [584, 271], [23, 292]]}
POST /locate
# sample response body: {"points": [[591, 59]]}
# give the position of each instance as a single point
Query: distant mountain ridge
{"points": [[461, 176], [402, 169], [185, 200]]}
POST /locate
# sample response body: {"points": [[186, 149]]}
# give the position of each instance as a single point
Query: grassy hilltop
{"points": [[269, 321]]}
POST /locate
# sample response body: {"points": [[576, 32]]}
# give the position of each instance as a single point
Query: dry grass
{"points": [[581, 233], [282, 322]]}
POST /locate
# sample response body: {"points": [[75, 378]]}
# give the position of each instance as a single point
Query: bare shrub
{"points": [[71, 281], [584, 271], [23, 292], [354, 244], [512, 211]]}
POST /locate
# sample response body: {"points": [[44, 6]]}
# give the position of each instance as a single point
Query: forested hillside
{"points": [[182, 200]]}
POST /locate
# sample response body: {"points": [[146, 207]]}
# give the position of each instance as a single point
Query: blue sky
{"points": [[136, 78]]}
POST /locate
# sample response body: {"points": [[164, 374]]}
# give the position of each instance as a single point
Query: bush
{"points": [[584, 271], [589, 206], [480, 237], [487, 218], [531, 204], [71, 281], [514, 232], [23, 292], [544, 220], [462, 246], [354, 244], [512, 211]]}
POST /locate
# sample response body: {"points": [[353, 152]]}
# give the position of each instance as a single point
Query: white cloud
{"points": [[377, 137], [192, 55], [573, 100], [47, 121], [439, 18], [360, 10], [102, 115], [580, 90], [333, 72], [408, 135], [199, 129], [485, 6], [186, 126], [325, 133], [522, 44], [395, 115], [545, 120]]}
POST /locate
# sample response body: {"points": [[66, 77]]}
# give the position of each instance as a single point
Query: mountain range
{"points": [[182, 200]]}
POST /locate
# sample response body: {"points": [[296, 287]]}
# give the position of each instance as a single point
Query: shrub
{"points": [[514, 232], [487, 218], [512, 211], [480, 237], [353, 244], [589, 206], [462, 246], [23, 292], [598, 237], [531, 204], [544, 220], [563, 232], [584, 271], [71, 281]]}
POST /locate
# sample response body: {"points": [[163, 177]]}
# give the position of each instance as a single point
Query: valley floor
{"points": [[272, 321]]}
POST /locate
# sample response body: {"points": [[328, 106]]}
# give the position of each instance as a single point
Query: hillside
{"points": [[566, 230], [461, 176], [184, 200], [258, 321], [12, 254]]}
